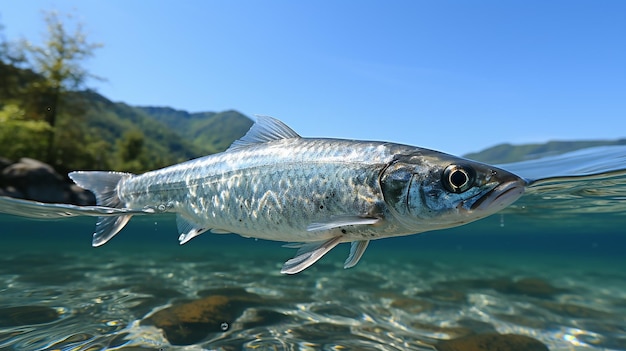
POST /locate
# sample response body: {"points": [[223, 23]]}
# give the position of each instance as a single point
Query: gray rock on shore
{"points": [[34, 180]]}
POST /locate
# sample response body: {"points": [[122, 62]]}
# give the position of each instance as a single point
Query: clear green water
{"points": [[552, 267]]}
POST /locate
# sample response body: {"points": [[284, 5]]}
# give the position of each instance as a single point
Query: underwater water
{"points": [[548, 272]]}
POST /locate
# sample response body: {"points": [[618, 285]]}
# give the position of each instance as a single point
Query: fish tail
{"points": [[104, 186]]}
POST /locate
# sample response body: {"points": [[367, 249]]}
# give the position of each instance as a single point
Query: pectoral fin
{"points": [[356, 252], [341, 221], [307, 255], [187, 229]]}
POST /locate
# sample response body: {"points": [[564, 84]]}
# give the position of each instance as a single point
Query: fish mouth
{"points": [[500, 196]]}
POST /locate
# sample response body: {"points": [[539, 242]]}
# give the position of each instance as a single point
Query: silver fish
{"points": [[273, 184]]}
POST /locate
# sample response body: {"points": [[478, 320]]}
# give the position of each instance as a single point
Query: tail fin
{"points": [[104, 187]]}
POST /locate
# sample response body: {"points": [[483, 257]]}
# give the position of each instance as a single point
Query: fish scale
{"points": [[269, 193]]}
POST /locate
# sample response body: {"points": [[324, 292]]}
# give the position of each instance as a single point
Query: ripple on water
{"points": [[151, 303]]}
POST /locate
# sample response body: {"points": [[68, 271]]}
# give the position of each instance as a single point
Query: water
{"points": [[551, 267]]}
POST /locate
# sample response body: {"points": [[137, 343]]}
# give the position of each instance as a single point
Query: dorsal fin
{"points": [[265, 129]]}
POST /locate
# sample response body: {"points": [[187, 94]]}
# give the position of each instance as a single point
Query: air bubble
{"points": [[224, 326]]}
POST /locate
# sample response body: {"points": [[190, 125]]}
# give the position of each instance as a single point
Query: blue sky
{"points": [[456, 76]]}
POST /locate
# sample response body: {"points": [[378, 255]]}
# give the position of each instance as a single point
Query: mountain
{"points": [[93, 132], [110, 121], [209, 132], [166, 135], [507, 153]]}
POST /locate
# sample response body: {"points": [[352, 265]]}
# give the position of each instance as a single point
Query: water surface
{"points": [[551, 267]]}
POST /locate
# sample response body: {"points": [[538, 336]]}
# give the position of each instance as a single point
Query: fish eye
{"points": [[458, 178]]}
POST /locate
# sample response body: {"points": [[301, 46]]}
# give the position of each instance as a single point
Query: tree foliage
{"points": [[58, 63], [130, 151], [16, 129], [60, 57]]}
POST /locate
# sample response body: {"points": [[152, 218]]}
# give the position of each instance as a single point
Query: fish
{"points": [[312, 193]]}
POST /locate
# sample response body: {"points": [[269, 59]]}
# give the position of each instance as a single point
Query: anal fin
{"points": [[357, 249], [308, 254], [187, 229]]}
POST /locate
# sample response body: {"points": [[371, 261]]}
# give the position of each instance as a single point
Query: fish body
{"points": [[275, 190], [273, 184]]}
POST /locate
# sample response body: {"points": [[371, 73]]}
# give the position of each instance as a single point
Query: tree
{"points": [[58, 61], [20, 137], [129, 152]]}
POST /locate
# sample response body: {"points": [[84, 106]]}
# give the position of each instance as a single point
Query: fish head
{"points": [[429, 190]]}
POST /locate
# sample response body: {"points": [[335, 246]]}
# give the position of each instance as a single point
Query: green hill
{"points": [[93, 132], [113, 121], [208, 132], [168, 136], [507, 153]]}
